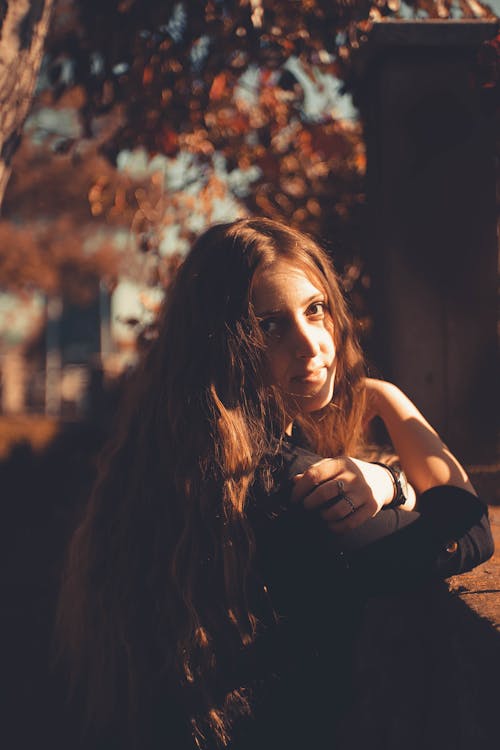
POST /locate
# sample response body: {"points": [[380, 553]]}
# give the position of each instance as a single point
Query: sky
{"points": [[495, 6]]}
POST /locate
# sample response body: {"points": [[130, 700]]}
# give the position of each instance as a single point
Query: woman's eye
{"points": [[317, 309], [270, 326]]}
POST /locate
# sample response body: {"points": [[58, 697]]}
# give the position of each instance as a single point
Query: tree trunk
{"points": [[23, 28]]}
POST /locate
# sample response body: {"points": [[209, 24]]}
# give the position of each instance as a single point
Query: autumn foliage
{"points": [[233, 97]]}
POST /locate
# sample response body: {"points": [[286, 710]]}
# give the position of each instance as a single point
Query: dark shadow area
{"points": [[426, 676], [43, 494], [426, 669]]}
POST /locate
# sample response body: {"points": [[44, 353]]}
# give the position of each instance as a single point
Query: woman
{"points": [[214, 585]]}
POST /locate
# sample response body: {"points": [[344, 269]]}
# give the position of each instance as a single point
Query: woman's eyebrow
{"points": [[275, 311], [267, 313]]}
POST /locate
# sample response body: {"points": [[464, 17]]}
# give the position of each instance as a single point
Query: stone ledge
{"points": [[427, 665], [479, 590]]}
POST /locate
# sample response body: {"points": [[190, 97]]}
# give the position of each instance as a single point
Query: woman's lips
{"points": [[311, 376]]}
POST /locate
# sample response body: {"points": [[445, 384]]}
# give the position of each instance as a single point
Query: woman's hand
{"points": [[345, 491]]}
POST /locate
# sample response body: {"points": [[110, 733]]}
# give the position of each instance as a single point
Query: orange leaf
{"points": [[169, 141], [218, 86], [147, 75]]}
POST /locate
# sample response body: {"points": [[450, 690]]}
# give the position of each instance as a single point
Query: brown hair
{"points": [[164, 550]]}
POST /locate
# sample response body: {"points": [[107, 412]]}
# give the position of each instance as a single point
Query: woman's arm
{"points": [[345, 491], [395, 549], [425, 459]]}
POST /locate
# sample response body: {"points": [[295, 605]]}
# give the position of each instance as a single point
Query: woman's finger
{"points": [[344, 506], [352, 520], [314, 477], [326, 495]]}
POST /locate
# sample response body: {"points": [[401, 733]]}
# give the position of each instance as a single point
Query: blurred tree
{"points": [[250, 80], [23, 27], [186, 107]]}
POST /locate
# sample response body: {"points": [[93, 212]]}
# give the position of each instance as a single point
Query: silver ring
{"points": [[331, 502], [334, 500], [350, 504]]}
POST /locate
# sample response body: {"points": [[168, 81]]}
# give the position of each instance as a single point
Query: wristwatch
{"points": [[400, 485]]}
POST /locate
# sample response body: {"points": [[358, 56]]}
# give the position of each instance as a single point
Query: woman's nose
{"points": [[305, 340]]}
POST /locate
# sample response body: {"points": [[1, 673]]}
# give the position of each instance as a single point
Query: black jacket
{"points": [[309, 589]]}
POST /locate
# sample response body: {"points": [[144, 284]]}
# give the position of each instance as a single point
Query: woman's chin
{"points": [[300, 404]]}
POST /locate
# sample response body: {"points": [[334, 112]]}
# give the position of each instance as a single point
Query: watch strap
{"points": [[399, 497]]}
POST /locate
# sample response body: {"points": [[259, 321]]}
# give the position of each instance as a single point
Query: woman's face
{"points": [[294, 316]]}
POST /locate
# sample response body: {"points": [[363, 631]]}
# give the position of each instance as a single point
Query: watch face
{"points": [[404, 483], [401, 485]]}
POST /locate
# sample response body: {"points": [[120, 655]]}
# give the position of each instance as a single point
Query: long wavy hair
{"points": [[154, 588]]}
